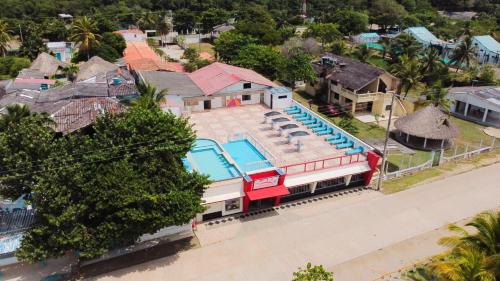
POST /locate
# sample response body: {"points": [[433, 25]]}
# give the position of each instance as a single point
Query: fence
{"points": [[467, 150], [456, 152]]}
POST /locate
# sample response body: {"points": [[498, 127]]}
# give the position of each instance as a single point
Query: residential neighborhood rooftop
{"points": [[176, 83], [488, 42]]}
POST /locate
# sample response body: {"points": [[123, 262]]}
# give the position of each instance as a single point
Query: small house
{"points": [[487, 49]]}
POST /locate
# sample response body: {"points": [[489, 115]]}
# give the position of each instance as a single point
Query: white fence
{"points": [[409, 170], [468, 151]]}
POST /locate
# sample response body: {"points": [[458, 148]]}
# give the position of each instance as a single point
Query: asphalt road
{"points": [[331, 232]]}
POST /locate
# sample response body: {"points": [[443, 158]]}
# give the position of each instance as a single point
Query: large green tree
{"points": [[350, 21], [211, 18], [228, 45], [32, 44], [408, 70], [96, 192], [386, 13], [263, 59], [256, 21], [463, 54], [184, 21], [298, 68], [325, 32]]}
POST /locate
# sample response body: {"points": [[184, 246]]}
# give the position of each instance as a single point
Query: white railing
{"points": [[409, 170], [268, 155], [353, 138]]}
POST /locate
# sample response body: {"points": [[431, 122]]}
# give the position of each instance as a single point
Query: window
{"points": [[233, 204], [246, 97], [329, 183], [388, 107], [336, 96], [247, 85], [300, 189], [282, 97]]}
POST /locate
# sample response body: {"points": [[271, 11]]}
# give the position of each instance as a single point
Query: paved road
{"points": [[331, 232]]}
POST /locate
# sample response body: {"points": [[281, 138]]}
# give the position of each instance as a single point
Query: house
{"points": [[135, 35], [427, 39], [47, 65], [478, 104], [75, 106], [139, 56], [214, 86], [93, 67], [487, 49], [63, 51], [221, 28], [371, 37], [356, 86]]}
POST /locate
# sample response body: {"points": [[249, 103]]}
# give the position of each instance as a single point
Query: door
{"points": [[262, 204], [58, 56], [272, 99], [207, 104]]}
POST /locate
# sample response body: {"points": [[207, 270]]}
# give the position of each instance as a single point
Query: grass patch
{"points": [[379, 62], [406, 182], [470, 132], [205, 47], [365, 131], [404, 161]]}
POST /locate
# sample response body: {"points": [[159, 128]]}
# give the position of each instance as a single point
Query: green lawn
{"points": [[205, 47], [470, 132], [379, 61]]}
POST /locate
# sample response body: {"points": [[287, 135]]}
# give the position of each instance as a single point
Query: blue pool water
{"points": [[246, 156], [206, 158]]}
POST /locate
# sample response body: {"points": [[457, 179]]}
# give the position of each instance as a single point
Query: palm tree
{"points": [[164, 26], [5, 37], [421, 273], [405, 44], [16, 112], [150, 97], [430, 60], [408, 70], [70, 71], [486, 237], [464, 53], [465, 264], [363, 53], [84, 32], [438, 96], [385, 42]]}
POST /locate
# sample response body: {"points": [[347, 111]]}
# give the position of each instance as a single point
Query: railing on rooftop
{"points": [[268, 155], [356, 141], [323, 164]]}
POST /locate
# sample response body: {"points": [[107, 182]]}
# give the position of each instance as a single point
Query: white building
{"points": [[478, 104], [487, 49], [63, 51]]}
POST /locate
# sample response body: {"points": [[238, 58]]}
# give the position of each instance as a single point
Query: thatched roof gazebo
{"points": [[428, 129], [47, 64]]}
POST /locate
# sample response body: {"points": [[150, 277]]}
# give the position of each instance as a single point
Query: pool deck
{"points": [[220, 124]]}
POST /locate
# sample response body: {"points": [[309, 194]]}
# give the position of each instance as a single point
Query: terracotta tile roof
{"points": [[217, 76], [80, 113], [139, 56]]}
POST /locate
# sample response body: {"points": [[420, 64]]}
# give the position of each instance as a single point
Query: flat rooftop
{"points": [[223, 123]]}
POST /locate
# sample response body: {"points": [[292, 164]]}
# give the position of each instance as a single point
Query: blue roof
{"points": [[423, 34], [488, 42], [279, 90], [368, 35]]}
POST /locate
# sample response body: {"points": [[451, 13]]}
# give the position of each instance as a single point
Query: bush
{"points": [[116, 41], [10, 66], [104, 51]]}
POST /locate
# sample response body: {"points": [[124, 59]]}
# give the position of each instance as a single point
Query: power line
{"points": [[82, 156]]}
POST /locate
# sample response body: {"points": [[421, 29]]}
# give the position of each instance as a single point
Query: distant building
{"points": [[214, 86], [65, 17], [371, 37], [487, 49], [356, 86], [140, 57], [478, 104], [63, 51], [221, 28], [427, 39]]}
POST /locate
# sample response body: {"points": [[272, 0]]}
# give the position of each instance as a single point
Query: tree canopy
{"points": [[94, 192]]}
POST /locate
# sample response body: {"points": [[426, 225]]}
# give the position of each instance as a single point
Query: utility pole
{"points": [[384, 153], [21, 33]]}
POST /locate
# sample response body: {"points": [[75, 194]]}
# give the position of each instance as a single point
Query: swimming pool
{"points": [[246, 156], [207, 158]]}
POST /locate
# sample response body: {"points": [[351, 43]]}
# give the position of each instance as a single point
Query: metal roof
{"points": [[488, 42]]}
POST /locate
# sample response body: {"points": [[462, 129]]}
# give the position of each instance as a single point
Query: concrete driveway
{"points": [[329, 233]]}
